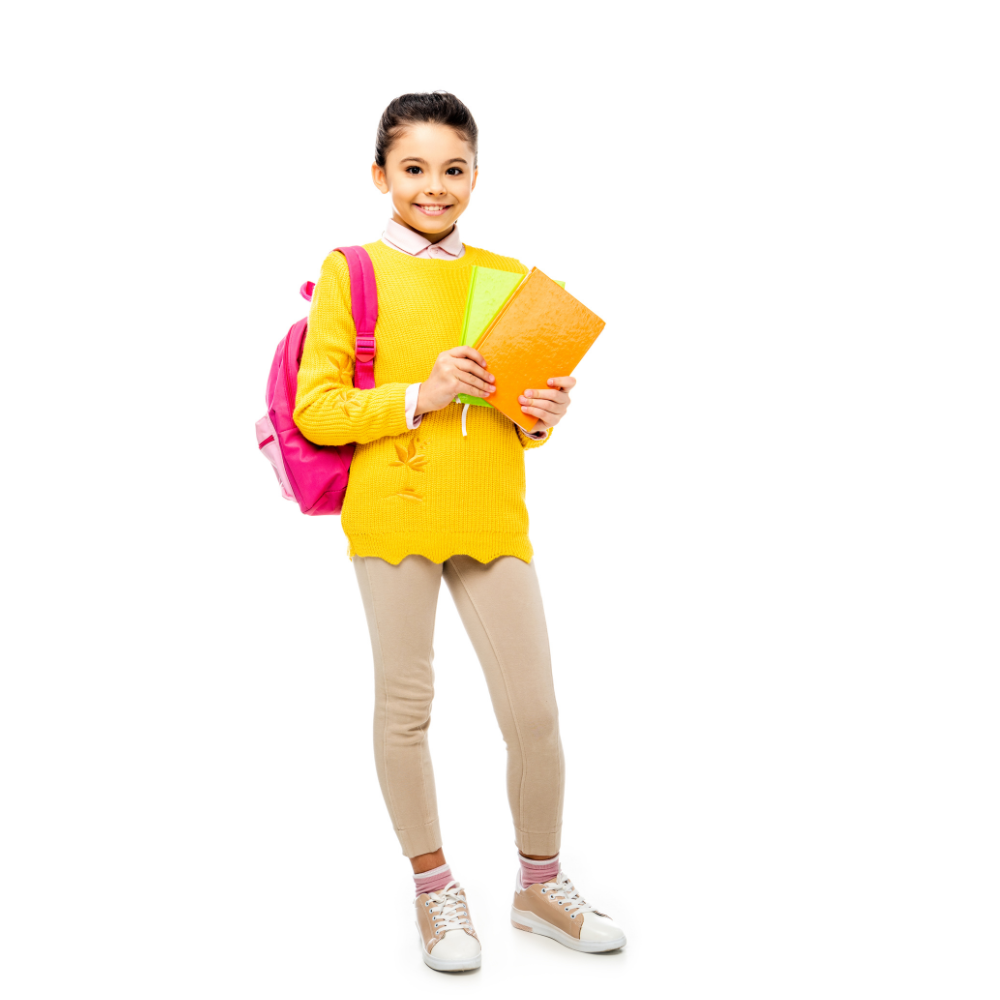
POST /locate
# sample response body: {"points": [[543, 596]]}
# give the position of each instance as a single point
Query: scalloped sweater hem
{"points": [[394, 547]]}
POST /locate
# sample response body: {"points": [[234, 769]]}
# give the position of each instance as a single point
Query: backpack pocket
{"points": [[267, 442]]}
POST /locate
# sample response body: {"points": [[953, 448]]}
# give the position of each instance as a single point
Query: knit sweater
{"points": [[430, 491]]}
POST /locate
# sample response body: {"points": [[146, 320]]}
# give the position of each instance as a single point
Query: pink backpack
{"points": [[315, 476]]}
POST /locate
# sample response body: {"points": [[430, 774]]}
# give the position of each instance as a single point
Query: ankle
{"points": [[534, 871], [425, 862], [432, 881]]}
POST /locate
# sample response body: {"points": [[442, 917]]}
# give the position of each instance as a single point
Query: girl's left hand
{"points": [[549, 405]]}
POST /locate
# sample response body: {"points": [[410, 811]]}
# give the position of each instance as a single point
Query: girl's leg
{"points": [[400, 606], [501, 607]]}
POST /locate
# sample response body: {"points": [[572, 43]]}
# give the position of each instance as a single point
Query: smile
{"points": [[433, 209]]}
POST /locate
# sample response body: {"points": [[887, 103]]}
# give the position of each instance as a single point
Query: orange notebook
{"points": [[541, 332]]}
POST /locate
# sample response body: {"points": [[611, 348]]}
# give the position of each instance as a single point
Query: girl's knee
{"points": [[540, 733], [407, 720]]}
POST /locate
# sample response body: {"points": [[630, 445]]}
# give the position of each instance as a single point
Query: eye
{"points": [[455, 171], [413, 170]]}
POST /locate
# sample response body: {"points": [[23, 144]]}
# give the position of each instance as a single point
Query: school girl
{"points": [[435, 492]]}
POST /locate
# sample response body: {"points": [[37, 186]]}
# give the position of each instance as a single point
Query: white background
{"points": [[766, 533]]}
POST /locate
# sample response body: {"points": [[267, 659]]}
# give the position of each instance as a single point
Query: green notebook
{"points": [[488, 291]]}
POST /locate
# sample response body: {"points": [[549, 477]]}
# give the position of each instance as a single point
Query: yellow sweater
{"points": [[429, 491]]}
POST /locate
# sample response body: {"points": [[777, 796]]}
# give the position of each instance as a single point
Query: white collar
{"points": [[409, 242]]}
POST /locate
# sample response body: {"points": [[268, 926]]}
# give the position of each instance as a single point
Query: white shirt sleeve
{"points": [[412, 420]]}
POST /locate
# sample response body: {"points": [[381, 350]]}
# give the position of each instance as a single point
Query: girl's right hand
{"points": [[459, 369]]}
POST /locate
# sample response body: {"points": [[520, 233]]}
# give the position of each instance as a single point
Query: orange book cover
{"points": [[540, 333]]}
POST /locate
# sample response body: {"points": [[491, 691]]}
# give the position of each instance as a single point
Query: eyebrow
{"points": [[417, 159]]}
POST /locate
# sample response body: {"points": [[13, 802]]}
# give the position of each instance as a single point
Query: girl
{"points": [[435, 492]]}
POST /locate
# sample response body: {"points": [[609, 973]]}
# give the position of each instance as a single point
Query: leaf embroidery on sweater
{"points": [[342, 372], [350, 401], [409, 458], [349, 405], [408, 493]]}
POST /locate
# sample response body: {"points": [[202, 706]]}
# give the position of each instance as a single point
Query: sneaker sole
{"points": [[444, 965], [524, 921]]}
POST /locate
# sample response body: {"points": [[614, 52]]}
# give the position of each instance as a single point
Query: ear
{"points": [[379, 179], [475, 177]]}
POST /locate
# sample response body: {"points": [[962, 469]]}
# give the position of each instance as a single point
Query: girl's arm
{"points": [[328, 409]]}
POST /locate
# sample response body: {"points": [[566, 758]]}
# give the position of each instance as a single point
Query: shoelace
{"points": [[562, 891], [448, 907]]}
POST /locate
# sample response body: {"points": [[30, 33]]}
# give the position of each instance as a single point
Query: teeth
{"points": [[433, 209]]}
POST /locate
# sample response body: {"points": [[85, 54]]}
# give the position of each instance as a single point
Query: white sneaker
{"points": [[447, 938], [556, 910]]}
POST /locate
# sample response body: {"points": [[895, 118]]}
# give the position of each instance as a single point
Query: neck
{"points": [[431, 237]]}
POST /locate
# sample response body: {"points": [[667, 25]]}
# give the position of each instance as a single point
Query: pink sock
{"points": [[533, 872], [434, 880]]}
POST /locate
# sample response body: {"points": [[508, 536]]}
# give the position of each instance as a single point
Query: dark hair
{"points": [[441, 108]]}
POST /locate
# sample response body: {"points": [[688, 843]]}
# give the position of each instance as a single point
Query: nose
{"points": [[435, 185]]}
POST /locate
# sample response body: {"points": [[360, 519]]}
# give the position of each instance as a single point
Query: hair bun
{"points": [[441, 107]]}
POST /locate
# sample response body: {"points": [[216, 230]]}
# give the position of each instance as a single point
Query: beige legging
{"points": [[501, 607]]}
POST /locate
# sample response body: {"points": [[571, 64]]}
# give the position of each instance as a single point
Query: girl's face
{"points": [[429, 173]]}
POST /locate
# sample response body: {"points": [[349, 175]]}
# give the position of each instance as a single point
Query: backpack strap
{"points": [[364, 308]]}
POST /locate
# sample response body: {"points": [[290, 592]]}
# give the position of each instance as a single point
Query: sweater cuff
{"points": [[532, 439]]}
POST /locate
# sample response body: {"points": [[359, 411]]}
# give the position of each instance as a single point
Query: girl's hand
{"points": [[459, 369], [549, 405]]}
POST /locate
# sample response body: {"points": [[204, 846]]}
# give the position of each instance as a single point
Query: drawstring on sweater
{"points": [[465, 410]]}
